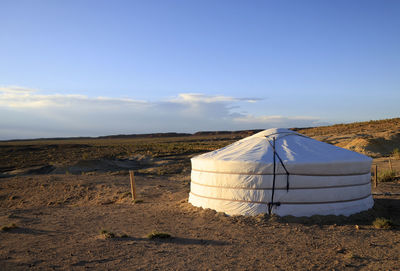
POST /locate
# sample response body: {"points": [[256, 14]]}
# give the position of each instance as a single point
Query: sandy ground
{"points": [[59, 219], [61, 194]]}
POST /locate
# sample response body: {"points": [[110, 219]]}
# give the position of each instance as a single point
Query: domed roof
{"points": [[300, 155]]}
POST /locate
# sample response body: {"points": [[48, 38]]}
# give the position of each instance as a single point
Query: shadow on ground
{"points": [[386, 208], [173, 240]]}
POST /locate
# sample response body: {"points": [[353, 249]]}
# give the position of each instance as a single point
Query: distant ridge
{"points": [[152, 135], [250, 132], [393, 123], [105, 137], [145, 135]]}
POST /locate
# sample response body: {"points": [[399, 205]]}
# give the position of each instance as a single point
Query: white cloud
{"points": [[277, 121], [16, 89], [19, 97], [26, 113], [201, 98], [272, 119]]}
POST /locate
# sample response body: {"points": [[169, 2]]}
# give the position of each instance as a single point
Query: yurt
{"points": [[282, 172]]}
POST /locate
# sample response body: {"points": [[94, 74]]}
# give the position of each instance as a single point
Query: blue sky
{"points": [[87, 68]]}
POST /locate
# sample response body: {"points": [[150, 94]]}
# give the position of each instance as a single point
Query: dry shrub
{"points": [[396, 153], [387, 176], [107, 234], [382, 223], [158, 235], [9, 227]]}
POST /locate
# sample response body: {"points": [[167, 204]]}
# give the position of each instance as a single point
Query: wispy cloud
{"points": [[27, 113], [201, 98], [19, 97], [277, 121]]}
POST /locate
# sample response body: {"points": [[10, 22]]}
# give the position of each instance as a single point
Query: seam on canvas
{"points": [[291, 203]]}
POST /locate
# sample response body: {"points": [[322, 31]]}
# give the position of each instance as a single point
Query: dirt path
{"points": [[59, 218]]}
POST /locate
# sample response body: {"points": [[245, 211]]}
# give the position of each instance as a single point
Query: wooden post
{"points": [[376, 176], [390, 165], [133, 186]]}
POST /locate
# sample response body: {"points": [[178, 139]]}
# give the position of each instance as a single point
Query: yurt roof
{"points": [[299, 154]]}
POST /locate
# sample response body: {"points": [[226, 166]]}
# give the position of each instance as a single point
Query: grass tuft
{"points": [[107, 234], [382, 223], [351, 255], [396, 153], [9, 227], [126, 194], [387, 176], [158, 235]]}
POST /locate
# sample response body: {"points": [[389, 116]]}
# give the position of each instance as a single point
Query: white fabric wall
{"points": [[249, 194], [240, 208]]}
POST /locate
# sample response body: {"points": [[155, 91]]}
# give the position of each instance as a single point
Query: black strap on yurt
{"points": [[280, 160], [272, 203]]}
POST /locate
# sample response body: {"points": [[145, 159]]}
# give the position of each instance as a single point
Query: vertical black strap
{"points": [[287, 182], [271, 204], [283, 165], [287, 172]]}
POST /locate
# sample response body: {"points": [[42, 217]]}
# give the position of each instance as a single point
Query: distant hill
{"points": [[375, 138], [249, 132]]}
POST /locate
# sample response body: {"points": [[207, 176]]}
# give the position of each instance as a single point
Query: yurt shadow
{"points": [[383, 208]]}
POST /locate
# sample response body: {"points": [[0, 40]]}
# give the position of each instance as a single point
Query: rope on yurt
{"points": [[290, 203], [283, 165], [287, 172], [270, 204]]}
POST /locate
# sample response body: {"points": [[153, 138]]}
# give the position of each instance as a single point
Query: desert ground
{"points": [[65, 204]]}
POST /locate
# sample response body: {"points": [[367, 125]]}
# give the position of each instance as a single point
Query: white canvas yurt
{"points": [[279, 171]]}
